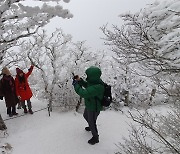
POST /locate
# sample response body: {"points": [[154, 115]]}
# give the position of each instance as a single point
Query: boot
{"points": [[10, 115], [25, 110], [30, 111], [87, 129], [9, 112], [14, 111], [94, 140]]}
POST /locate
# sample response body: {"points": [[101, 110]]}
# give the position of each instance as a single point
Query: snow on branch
{"points": [[19, 19]]}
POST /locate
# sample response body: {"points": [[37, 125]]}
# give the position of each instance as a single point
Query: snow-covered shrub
{"points": [[154, 132]]}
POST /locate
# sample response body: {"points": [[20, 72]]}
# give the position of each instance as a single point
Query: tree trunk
{"points": [[78, 104], [126, 100]]}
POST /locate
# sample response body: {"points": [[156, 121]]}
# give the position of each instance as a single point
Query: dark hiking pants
{"points": [[28, 104], [11, 110], [91, 117]]}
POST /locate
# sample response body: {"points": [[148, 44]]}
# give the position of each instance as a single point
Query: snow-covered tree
{"points": [[20, 19], [151, 40], [56, 59]]}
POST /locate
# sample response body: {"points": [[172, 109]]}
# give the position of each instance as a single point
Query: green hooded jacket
{"points": [[92, 89]]}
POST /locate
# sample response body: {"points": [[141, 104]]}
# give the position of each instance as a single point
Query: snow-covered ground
{"points": [[62, 132]]}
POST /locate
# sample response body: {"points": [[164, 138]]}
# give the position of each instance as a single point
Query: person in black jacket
{"points": [[8, 91]]}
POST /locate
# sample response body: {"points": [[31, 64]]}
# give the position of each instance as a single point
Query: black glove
{"points": [[74, 82]]}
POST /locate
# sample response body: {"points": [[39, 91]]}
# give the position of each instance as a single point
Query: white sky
{"points": [[89, 15]]}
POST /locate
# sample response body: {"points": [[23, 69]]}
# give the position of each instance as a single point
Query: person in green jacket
{"points": [[92, 91]]}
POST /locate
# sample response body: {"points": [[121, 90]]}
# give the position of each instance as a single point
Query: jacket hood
{"points": [[93, 74]]}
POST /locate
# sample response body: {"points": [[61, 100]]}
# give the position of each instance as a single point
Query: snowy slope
{"points": [[61, 133]]}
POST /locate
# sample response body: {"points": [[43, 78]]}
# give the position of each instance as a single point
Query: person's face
{"points": [[21, 74]]}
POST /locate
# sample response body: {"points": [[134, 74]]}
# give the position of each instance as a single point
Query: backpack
{"points": [[107, 98]]}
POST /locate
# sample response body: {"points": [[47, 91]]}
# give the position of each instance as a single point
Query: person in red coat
{"points": [[7, 90], [23, 89]]}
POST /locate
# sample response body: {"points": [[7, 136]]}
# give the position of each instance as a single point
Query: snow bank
{"points": [[62, 133]]}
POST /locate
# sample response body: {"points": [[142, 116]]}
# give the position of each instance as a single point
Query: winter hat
{"points": [[19, 71], [6, 71]]}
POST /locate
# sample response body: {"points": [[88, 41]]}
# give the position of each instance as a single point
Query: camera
{"points": [[75, 77]]}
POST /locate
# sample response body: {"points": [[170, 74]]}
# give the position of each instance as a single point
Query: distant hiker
{"points": [[23, 90], [92, 91], [8, 91]]}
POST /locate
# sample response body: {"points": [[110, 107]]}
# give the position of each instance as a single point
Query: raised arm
{"points": [[29, 71]]}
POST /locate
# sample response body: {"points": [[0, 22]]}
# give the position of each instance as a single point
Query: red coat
{"points": [[22, 89]]}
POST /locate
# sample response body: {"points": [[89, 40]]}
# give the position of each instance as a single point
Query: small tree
{"points": [[48, 55]]}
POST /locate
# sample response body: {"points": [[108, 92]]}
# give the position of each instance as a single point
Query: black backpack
{"points": [[107, 98]]}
